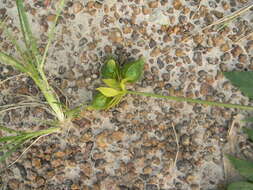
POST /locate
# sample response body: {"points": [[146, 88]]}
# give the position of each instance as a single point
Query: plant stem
{"points": [[50, 95], [190, 100]]}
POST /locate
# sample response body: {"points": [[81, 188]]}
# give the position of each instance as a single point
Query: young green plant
{"points": [[116, 79]]}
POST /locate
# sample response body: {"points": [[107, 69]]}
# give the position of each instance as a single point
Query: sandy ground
{"points": [[133, 146]]}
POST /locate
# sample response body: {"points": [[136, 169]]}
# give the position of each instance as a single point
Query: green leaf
{"points": [[110, 70], [100, 101], [111, 83], [132, 71], [8, 138], [242, 80], [244, 167], [241, 185], [8, 60], [249, 119], [249, 132], [109, 92], [27, 32]]}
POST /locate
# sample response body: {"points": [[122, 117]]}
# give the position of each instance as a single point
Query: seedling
{"points": [[117, 78], [31, 63]]}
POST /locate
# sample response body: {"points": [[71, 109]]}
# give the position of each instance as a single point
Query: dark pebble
{"points": [[160, 63], [152, 43], [83, 41], [151, 187]]}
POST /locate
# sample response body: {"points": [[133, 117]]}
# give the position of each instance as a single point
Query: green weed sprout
{"points": [[116, 80], [31, 63]]}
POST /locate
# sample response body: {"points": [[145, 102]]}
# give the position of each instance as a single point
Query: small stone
{"points": [[108, 49], [101, 140], [82, 42], [77, 7], [217, 14], [14, 184], [236, 51], [147, 170], [224, 47], [225, 57], [153, 4], [166, 76], [185, 140], [146, 10], [151, 187], [40, 181], [117, 136], [127, 30], [197, 57], [198, 39], [242, 58], [152, 43], [206, 89], [36, 163], [75, 187], [179, 52], [177, 4], [155, 52], [59, 154]]}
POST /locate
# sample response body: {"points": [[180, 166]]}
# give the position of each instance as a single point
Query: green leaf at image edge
{"points": [[249, 132], [132, 71], [242, 80], [249, 119], [244, 167], [241, 185]]}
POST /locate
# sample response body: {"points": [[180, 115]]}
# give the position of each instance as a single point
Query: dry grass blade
{"points": [[225, 19], [176, 157], [11, 78]]}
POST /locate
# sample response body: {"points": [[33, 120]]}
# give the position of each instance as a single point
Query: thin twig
{"points": [[36, 140], [224, 19], [197, 9], [175, 133], [12, 77]]}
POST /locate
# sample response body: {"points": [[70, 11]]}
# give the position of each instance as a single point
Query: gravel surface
{"points": [[133, 146]]}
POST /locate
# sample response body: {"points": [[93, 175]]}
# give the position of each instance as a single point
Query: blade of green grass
{"points": [[6, 59], [27, 32], [7, 138]]}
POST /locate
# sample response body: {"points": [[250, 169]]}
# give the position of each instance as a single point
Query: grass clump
{"points": [[31, 63]]}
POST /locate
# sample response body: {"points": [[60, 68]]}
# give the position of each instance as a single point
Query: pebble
{"points": [[236, 51], [177, 4], [179, 53], [155, 52], [153, 4], [77, 7]]}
